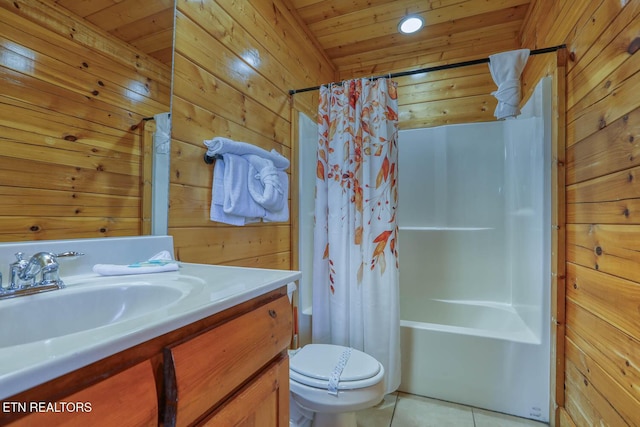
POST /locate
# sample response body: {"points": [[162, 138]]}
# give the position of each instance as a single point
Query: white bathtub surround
{"points": [[474, 220], [506, 68], [355, 266]]}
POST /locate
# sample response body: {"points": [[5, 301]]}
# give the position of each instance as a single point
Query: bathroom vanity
{"points": [[216, 355]]}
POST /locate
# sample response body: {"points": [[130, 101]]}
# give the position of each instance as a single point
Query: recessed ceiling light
{"points": [[410, 24]]}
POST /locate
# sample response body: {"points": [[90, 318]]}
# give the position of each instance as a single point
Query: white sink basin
{"points": [[83, 306]]}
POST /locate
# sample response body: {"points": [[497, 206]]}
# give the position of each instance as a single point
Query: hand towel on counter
{"points": [[220, 145], [159, 263], [229, 200]]}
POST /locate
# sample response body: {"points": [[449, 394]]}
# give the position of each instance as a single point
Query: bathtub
{"points": [[474, 244], [475, 353], [478, 318]]}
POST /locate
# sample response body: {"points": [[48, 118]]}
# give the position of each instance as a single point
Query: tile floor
{"points": [[407, 410]]}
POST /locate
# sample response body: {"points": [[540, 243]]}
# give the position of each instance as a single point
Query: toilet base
{"points": [[342, 419]]}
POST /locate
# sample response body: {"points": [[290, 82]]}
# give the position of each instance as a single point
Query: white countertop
{"points": [[212, 289]]}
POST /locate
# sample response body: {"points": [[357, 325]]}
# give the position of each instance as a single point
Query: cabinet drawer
{"points": [[125, 399], [200, 372], [263, 402]]}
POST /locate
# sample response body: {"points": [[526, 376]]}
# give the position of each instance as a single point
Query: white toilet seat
{"points": [[314, 363]]}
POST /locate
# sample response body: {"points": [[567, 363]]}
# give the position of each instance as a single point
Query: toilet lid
{"points": [[314, 364]]}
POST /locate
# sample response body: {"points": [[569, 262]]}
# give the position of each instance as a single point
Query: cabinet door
{"points": [[125, 399], [264, 402], [200, 373]]}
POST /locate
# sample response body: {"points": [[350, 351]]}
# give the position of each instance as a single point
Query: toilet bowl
{"points": [[328, 383]]}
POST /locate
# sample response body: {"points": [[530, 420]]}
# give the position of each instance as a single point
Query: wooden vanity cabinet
{"points": [[229, 369]]}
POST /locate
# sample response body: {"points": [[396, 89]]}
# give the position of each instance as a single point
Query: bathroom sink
{"points": [[84, 306], [44, 336]]}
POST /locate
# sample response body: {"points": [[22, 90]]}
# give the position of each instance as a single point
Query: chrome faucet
{"points": [[24, 274]]}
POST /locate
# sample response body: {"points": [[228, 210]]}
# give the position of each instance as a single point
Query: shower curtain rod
{"points": [[436, 68]]}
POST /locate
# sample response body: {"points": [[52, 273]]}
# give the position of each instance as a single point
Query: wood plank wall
{"points": [[72, 99], [460, 95], [234, 65], [602, 323]]}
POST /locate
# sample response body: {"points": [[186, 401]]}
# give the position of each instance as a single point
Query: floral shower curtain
{"points": [[355, 263]]}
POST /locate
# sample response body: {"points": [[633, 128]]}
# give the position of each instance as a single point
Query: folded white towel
{"points": [[505, 69], [161, 262], [281, 215], [220, 145], [266, 183]]}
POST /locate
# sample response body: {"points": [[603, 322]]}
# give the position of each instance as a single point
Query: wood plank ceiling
{"points": [[359, 36]]}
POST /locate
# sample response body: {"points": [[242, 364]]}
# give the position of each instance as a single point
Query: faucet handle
{"points": [[17, 268], [69, 254], [50, 275]]}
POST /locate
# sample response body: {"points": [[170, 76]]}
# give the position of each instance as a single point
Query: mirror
{"points": [[146, 25], [73, 107]]}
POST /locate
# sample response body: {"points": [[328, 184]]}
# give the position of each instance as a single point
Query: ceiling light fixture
{"points": [[410, 24]]}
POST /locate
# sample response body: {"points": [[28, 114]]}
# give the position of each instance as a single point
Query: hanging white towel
{"points": [[161, 172], [220, 198], [249, 183], [505, 69], [162, 135], [220, 145]]}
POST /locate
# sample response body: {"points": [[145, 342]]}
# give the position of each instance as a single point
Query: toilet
{"points": [[329, 383]]}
